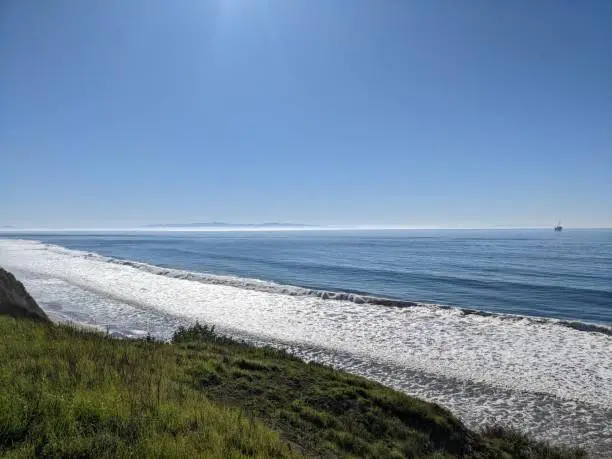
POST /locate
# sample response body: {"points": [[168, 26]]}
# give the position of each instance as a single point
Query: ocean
{"points": [[500, 326]]}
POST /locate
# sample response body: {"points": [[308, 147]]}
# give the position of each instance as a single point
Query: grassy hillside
{"points": [[74, 393]]}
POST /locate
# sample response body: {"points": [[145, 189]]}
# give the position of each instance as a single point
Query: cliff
{"points": [[16, 301]]}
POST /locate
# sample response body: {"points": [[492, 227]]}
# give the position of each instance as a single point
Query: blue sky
{"points": [[417, 113]]}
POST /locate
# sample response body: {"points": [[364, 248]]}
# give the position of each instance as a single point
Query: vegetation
{"points": [[76, 393]]}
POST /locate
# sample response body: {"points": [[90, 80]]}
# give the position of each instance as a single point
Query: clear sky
{"points": [[417, 113]]}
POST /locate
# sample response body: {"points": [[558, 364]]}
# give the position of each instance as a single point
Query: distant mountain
{"points": [[228, 225], [7, 226]]}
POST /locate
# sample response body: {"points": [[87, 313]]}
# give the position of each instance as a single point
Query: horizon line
{"points": [[242, 228]]}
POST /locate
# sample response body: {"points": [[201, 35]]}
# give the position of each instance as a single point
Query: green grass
{"points": [[75, 393]]}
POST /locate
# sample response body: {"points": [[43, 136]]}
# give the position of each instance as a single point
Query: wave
{"points": [[291, 290]]}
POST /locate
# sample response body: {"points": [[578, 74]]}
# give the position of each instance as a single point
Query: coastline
{"points": [[297, 409], [410, 349]]}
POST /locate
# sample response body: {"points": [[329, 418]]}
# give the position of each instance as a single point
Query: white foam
{"points": [[517, 356], [538, 357], [273, 287]]}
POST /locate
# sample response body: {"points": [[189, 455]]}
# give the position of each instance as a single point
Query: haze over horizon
{"points": [[253, 227], [415, 114]]}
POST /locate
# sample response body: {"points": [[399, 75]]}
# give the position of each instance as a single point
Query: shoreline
{"points": [[540, 378], [267, 286], [435, 389], [238, 370]]}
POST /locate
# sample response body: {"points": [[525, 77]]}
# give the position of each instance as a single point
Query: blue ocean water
{"points": [[564, 275]]}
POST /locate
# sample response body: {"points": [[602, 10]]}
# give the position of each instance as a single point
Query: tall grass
{"points": [[73, 393], [70, 393]]}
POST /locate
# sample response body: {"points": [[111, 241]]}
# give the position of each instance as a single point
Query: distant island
{"points": [[228, 225]]}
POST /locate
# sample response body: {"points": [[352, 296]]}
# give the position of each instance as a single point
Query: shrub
{"points": [[197, 332]]}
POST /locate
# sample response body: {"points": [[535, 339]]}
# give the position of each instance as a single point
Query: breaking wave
{"points": [[273, 287]]}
